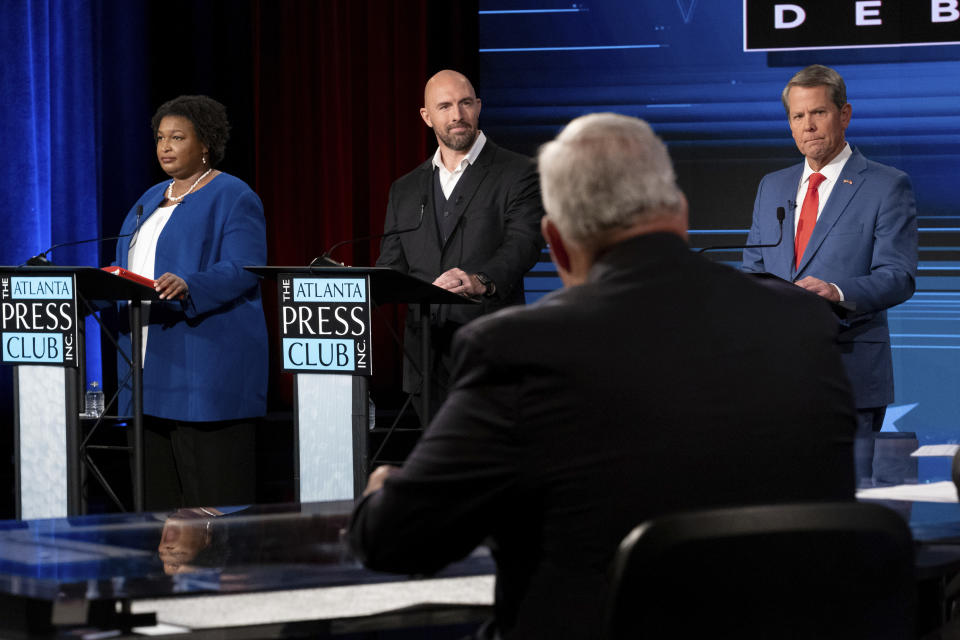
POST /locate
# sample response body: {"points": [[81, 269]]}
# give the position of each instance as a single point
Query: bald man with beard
{"points": [[480, 209]]}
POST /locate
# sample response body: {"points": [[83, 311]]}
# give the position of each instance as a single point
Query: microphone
{"points": [[324, 259], [781, 214], [40, 260]]}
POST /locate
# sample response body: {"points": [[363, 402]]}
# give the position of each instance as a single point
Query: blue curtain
{"points": [[51, 136], [49, 115]]}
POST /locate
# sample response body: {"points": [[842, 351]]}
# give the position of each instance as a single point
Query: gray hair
{"points": [[604, 172], [817, 75]]}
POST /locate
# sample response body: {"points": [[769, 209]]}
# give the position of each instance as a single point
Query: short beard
{"points": [[458, 142]]}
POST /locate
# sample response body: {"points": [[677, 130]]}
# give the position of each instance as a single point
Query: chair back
{"points": [[812, 570]]}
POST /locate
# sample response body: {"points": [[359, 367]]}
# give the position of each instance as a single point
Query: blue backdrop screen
{"points": [[681, 65]]}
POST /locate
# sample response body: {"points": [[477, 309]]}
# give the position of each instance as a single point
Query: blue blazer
{"points": [[206, 356], [865, 242]]}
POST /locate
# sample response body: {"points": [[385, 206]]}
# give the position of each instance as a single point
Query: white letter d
{"points": [[780, 9]]}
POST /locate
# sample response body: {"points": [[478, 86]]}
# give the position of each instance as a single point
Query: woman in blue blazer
{"points": [[205, 343]]}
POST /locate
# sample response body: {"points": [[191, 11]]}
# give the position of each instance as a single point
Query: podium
{"points": [[843, 310], [42, 307], [331, 410]]}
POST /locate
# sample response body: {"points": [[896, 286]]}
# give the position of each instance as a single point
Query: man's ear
{"points": [[558, 250], [845, 114], [684, 218], [426, 117]]}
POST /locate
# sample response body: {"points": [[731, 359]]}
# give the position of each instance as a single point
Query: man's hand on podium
{"points": [[457, 280], [823, 289]]}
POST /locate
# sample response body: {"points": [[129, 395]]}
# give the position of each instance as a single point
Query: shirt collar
{"points": [[470, 158], [833, 168]]}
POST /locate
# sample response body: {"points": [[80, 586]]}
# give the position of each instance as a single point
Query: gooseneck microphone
{"points": [[781, 214], [40, 260], [324, 259]]}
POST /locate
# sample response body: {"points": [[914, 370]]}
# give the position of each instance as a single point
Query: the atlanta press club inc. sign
{"points": [[325, 324], [39, 319]]}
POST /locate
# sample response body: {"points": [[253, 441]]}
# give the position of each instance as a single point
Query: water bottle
{"points": [[94, 400]]}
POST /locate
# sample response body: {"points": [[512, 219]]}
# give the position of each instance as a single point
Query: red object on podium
{"points": [[130, 275]]}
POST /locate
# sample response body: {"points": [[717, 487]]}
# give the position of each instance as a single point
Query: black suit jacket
{"points": [[664, 383], [497, 232]]}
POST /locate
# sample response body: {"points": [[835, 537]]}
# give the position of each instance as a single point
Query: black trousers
{"points": [[869, 422], [198, 464], [441, 367]]}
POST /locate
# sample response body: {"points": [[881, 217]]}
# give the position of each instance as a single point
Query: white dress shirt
{"points": [[449, 179], [831, 173], [142, 256]]}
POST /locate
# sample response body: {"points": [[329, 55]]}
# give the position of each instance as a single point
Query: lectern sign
{"points": [[39, 319], [325, 323]]}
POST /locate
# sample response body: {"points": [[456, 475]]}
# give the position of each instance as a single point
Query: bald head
{"points": [[451, 108], [446, 80]]}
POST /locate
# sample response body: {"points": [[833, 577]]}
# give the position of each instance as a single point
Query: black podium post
{"points": [[38, 302], [331, 411]]}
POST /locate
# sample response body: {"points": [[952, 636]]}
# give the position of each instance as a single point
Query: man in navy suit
{"points": [[852, 237]]}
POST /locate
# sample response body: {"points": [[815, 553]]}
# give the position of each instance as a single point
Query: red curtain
{"points": [[338, 86]]}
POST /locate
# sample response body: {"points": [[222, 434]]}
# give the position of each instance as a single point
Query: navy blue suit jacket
{"points": [[865, 242]]}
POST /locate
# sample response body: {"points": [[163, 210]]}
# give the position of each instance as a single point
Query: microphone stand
{"points": [[781, 214], [40, 260], [325, 260]]}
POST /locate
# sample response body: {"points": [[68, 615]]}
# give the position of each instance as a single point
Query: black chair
{"points": [[815, 570]]}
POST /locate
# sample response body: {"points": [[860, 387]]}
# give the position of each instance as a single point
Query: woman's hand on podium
{"points": [[171, 287]]}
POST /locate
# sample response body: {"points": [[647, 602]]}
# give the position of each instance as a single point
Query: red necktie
{"points": [[808, 216]]}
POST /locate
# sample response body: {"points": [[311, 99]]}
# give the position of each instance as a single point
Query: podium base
{"points": [[331, 423]]}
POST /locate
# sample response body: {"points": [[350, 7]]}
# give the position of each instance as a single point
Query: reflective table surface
{"points": [[121, 561], [202, 550]]}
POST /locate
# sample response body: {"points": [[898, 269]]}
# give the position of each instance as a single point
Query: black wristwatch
{"points": [[491, 287]]}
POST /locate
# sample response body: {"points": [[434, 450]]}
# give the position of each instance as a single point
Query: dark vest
{"points": [[444, 208]]}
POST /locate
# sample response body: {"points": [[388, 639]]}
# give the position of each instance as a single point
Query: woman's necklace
{"points": [[173, 198]]}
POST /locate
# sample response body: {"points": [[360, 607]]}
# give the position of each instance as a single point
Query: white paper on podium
{"points": [[936, 451], [931, 492]]}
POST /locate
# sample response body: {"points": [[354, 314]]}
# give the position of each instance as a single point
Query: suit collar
{"points": [[833, 168], [466, 187], [475, 150], [626, 256], [847, 186], [485, 157], [786, 198]]}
